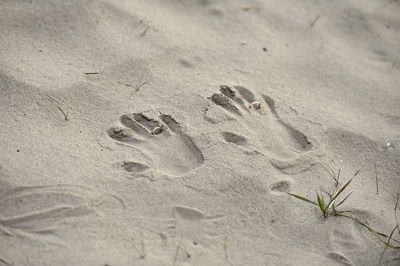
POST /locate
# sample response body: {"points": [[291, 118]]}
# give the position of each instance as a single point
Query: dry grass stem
{"points": [[314, 21]]}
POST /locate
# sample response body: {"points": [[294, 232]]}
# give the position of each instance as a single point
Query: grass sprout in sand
{"points": [[396, 228], [330, 207]]}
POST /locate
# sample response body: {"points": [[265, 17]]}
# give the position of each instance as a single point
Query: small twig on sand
{"points": [[142, 252], [142, 244], [376, 178], [65, 113], [251, 8], [176, 253], [145, 30], [60, 103], [226, 252], [93, 73], [5, 262], [146, 24], [125, 84], [314, 21]]}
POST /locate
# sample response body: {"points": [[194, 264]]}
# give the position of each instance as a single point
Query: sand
{"points": [[127, 137]]}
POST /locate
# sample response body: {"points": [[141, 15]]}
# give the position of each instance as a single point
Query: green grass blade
{"points": [[395, 213], [340, 213], [387, 244], [302, 198], [343, 200], [395, 207], [356, 173], [66, 118], [375, 233], [321, 204], [324, 166], [327, 193], [339, 192], [330, 171]]}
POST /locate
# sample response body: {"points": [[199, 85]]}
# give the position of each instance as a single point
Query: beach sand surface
{"points": [[169, 132]]}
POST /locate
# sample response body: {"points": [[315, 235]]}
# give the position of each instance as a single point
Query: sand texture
{"points": [[169, 132]]}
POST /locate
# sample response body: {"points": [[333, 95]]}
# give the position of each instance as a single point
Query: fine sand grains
{"points": [[170, 132]]}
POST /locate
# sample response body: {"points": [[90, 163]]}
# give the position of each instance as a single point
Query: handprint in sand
{"points": [[254, 121], [167, 149]]}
